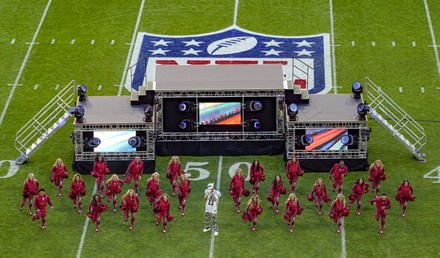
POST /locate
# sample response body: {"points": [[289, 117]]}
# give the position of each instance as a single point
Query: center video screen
{"points": [[114, 141], [327, 139], [220, 113]]}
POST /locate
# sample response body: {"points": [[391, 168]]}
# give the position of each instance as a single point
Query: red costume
{"points": [[337, 212], [382, 206], [114, 187], [257, 175], [173, 171], [153, 190], [276, 189], [77, 190], [338, 172], [40, 208], [251, 214], [183, 189], [356, 194], [134, 170], [293, 170], [99, 171], [292, 210], [130, 205], [30, 189], [162, 211], [404, 194], [319, 194], [95, 210], [58, 174], [236, 190], [377, 174]]}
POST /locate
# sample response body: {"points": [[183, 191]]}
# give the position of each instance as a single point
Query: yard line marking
{"points": [[99, 87], [422, 89], [413, 43], [344, 249], [393, 43], [56, 87], [332, 42], [130, 50], [12, 41], [36, 86], [219, 177], [83, 235], [113, 42], [428, 16], [72, 42], [400, 89], [92, 42], [373, 43], [28, 53], [353, 43], [235, 12], [52, 42]]}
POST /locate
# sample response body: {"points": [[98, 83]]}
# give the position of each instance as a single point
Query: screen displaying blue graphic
{"points": [[219, 113], [114, 141]]}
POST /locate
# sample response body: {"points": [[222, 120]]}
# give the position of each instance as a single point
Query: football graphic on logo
{"points": [[229, 46]]}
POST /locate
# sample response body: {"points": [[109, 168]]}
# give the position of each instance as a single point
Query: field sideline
{"points": [[46, 44]]}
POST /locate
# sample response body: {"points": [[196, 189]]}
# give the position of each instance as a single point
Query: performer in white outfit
{"points": [[211, 197]]}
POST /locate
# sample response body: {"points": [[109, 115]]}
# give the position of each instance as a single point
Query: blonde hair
{"points": [[322, 180], [343, 199], [127, 194], [239, 171], [30, 175], [374, 164], [152, 176], [56, 162], [250, 201], [174, 158], [163, 195], [113, 176], [292, 197], [74, 177]]}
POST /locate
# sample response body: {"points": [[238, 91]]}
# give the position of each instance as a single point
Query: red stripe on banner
{"points": [[275, 62], [166, 62], [235, 62], [198, 62]]}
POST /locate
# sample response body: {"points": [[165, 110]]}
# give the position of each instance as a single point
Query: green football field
{"points": [[46, 44]]}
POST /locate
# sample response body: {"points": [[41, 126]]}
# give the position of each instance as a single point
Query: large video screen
{"points": [[114, 141], [220, 113], [327, 139]]}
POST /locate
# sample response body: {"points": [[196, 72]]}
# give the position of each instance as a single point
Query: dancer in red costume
{"points": [[99, 171], [130, 204], [77, 191], [257, 175], [173, 171], [253, 210], [383, 203], [338, 211], [377, 175], [237, 189], [96, 208], [59, 172], [134, 171], [162, 211], [30, 188], [276, 189], [293, 170], [153, 188], [40, 203], [319, 194], [183, 189], [114, 187], [293, 208], [405, 193], [359, 188], [337, 174]]}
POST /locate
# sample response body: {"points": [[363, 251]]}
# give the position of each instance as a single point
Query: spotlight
{"points": [[94, 142], [184, 106], [148, 112], [357, 89], [306, 139], [78, 112], [255, 124], [292, 111], [363, 110], [255, 105], [185, 125], [82, 90], [135, 142], [347, 140]]}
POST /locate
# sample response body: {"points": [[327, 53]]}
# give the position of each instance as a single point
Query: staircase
{"points": [[391, 116], [45, 123]]}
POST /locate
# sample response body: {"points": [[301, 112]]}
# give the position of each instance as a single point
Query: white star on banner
{"points": [[273, 43], [159, 51], [161, 43], [192, 43], [304, 43], [271, 52], [191, 51], [304, 52]]}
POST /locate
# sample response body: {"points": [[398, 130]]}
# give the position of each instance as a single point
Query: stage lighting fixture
{"points": [[148, 112], [135, 142], [254, 124], [94, 142], [292, 111], [357, 89], [82, 90], [347, 140], [255, 105], [306, 139], [363, 110], [184, 106], [78, 112], [185, 125]]}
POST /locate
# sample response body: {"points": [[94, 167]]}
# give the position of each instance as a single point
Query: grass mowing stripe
{"points": [[219, 178], [332, 42], [236, 12], [431, 29], [130, 50], [28, 53], [83, 235]]}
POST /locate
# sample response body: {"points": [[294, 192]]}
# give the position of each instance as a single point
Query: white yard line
{"points": [[23, 65], [219, 178], [236, 12], [332, 42], [344, 250], [428, 16], [83, 235], [127, 62]]}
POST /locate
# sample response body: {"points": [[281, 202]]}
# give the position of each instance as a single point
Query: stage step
{"points": [[134, 98]]}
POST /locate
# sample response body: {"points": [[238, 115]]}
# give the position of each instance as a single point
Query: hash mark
{"points": [[92, 42], [72, 42], [99, 87], [12, 41], [52, 42], [353, 43], [113, 42], [413, 43], [36, 86], [373, 43]]}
